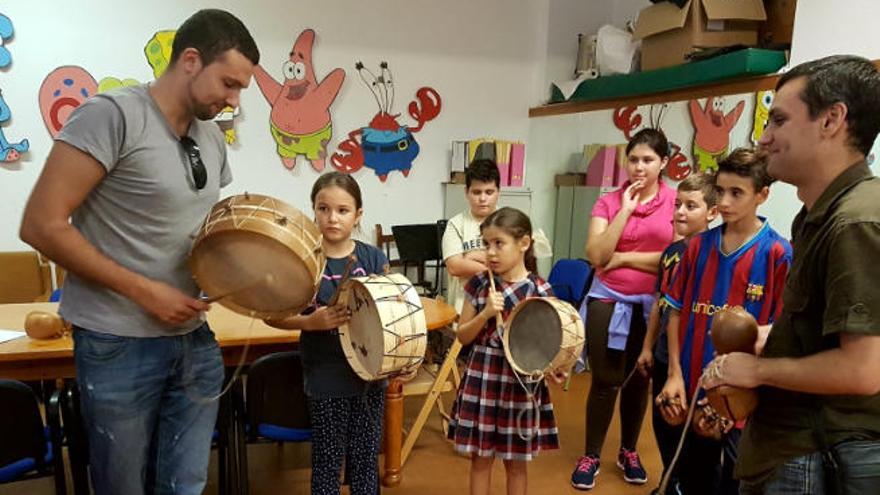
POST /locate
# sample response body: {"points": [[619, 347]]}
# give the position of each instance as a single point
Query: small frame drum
{"points": [[387, 333], [543, 334], [258, 256]]}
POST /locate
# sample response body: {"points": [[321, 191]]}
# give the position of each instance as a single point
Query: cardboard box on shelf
{"points": [[780, 21], [668, 33]]}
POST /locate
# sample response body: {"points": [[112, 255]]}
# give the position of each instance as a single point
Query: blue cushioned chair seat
{"points": [[283, 434]]}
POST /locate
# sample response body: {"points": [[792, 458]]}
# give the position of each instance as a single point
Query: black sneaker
{"points": [[584, 475], [633, 472]]}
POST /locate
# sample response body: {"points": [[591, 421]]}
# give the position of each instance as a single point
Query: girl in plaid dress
{"points": [[487, 420]]}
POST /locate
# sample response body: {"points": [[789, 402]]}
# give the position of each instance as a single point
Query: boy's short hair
{"points": [[482, 170], [746, 162], [704, 183]]}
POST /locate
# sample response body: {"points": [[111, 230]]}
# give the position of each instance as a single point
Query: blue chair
{"points": [[571, 279], [275, 400], [273, 407], [28, 448]]}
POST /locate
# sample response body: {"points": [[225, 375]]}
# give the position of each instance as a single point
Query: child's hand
{"points": [[708, 423], [494, 304], [617, 260], [645, 362], [630, 199], [557, 375], [327, 318], [278, 322], [672, 400]]}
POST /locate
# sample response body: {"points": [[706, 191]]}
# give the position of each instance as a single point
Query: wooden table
{"points": [[29, 359], [438, 314]]}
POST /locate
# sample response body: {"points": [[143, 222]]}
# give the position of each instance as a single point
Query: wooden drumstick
{"points": [[345, 275], [499, 322], [267, 279]]}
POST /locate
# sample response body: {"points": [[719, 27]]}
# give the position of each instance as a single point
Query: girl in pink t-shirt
{"points": [[629, 229]]}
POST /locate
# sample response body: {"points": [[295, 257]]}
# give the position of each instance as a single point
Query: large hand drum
{"points": [[387, 333], [543, 334], [259, 256]]}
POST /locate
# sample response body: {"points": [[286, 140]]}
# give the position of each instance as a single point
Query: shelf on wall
{"points": [[741, 71], [748, 85], [720, 88]]}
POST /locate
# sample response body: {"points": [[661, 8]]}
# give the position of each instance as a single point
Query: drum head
{"points": [[261, 275], [366, 330], [534, 335]]}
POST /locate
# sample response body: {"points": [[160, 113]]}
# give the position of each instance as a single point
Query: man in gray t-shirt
{"points": [[126, 185]]}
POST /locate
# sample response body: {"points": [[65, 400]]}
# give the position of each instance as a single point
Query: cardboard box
{"points": [[668, 33], [780, 21]]}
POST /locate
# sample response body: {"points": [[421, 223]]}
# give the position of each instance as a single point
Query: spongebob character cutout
{"points": [[712, 131], [300, 117], [763, 100], [158, 53]]}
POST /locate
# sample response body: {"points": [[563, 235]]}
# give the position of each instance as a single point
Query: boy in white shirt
{"points": [[463, 250]]}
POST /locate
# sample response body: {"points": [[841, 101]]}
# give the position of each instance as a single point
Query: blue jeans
{"points": [[860, 468], [148, 410]]}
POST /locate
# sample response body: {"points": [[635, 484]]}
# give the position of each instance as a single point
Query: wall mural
{"points": [[763, 100], [628, 120], [64, 89], [9, 152], [384, 145], [712, 131], [6, 32], [68, 86], [300, 117], [158, 53]]}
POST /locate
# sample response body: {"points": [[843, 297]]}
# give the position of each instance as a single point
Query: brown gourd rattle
{"points": [[733, 330], [42, 325]]}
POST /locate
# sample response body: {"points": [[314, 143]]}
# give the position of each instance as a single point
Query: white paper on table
{"points": [[6, 335]]}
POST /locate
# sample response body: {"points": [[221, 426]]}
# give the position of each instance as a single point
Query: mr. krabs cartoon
{"points": [[385, 145]]}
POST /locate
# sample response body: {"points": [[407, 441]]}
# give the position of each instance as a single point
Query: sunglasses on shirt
{"points": [[199, 172]]}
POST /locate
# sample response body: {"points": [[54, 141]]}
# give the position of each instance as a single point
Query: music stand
{"points": [[418, 244]]}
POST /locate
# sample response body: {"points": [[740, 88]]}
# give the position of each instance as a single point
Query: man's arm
{"points": [[851, 369], [66, 180]]}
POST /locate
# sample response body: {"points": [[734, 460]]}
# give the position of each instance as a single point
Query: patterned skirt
{"points": [[493, 414]]}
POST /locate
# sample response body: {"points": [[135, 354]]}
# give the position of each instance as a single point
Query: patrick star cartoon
{"points": [[300, 117], [712, 131]]}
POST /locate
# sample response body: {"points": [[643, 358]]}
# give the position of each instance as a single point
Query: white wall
{"points": [[843, 26], [486, 59], [568, 18], [825, 28]]}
